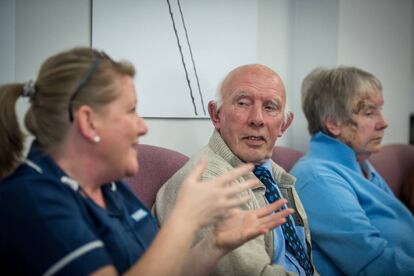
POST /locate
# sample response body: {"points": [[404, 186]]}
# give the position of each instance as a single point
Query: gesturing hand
{"points": [[241, 226], [206, 202]]}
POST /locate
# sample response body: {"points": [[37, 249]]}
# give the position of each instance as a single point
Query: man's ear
{"points": [[333, 126], [214, 114], [85, 118], [286, 123]]}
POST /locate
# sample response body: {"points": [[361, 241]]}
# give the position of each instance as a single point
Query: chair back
{"points": [[394, 162], [286, 157], [156, 166]]}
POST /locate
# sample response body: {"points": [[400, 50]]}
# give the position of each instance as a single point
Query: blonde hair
{"points": [[48, 115]]}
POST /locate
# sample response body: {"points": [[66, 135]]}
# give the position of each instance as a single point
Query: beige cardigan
{"points": [[255, 256]]}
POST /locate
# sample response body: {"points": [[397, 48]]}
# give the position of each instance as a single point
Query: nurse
{"points": [[64, 210]]}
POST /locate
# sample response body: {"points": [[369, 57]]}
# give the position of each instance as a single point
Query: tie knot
{"points": [[261, 172]]}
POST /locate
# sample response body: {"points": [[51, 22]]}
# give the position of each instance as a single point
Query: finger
{"points": [[279, 217], [286, 212], [197, 171], [237, 201], [233, 174], [252, 233], [264, 211], [237, 188], [271, 221], [267, 223], [275, 222], [282, 213]]}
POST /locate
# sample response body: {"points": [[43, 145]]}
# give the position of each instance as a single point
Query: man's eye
{"points": [[242, 103], [271, 108]]}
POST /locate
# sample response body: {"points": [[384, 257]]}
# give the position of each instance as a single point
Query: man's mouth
{"points": [[254, 138]]}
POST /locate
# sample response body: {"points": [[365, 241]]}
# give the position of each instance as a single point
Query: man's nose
{"points": [[256, 116]]}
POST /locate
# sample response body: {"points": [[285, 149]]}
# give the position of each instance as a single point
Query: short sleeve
{"points": [[48, 230]]}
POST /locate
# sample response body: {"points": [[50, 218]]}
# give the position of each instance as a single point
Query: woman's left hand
{"points": [[241, 226]]}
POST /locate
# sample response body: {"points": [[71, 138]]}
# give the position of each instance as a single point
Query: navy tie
{"points": [[272, 194]]}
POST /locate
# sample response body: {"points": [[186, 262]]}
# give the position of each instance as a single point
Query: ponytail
{"points": [[47, 118], [11, 136]]}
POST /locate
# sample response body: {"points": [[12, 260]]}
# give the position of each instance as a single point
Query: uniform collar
{"points": [[42, 163]]}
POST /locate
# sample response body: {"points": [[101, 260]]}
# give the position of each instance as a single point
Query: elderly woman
{"points": [[63, 209], [358, 226]]}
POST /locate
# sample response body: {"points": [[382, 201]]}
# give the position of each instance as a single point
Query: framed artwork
{"points": [[181, 49]]}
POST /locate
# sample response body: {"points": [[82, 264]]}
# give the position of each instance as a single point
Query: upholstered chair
{"points": [[156, 166]]}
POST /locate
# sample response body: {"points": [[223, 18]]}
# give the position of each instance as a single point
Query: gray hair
{"points": [[329, 93]]}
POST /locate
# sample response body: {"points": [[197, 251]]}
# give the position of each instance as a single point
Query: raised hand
{"points": [[241, 226], [206, 202]]}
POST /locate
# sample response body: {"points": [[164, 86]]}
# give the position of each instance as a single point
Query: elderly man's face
{"points": [[252, 113], [366, 131]]}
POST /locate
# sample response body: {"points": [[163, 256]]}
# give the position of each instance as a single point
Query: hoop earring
{"points": [[97, 139]]}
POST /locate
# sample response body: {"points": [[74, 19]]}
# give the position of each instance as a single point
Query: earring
{"points": [[96, 139]]}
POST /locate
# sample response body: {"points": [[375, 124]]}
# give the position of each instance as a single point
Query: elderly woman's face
{"points": [[364, 134], [122, 126]]}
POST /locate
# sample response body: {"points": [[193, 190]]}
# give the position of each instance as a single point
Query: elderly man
{"points": [[248, 118], [358, 226]]}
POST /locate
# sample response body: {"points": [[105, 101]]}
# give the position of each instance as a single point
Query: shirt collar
{"points": [[372, 174], [268, 165], [325, 147]]}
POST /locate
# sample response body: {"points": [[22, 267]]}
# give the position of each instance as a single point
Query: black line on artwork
{"points": [[182, 57], [90, 22], [192, 58]]}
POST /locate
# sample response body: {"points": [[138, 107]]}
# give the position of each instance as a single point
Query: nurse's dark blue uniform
{"points": [[49, 227]]}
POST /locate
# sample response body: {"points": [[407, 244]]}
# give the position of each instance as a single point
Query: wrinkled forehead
{"points": [[253, 80]]}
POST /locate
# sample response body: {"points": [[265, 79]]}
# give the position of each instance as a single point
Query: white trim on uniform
{"points": [[113, 187], [73, 255], [33, 166], [70, 182]]}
